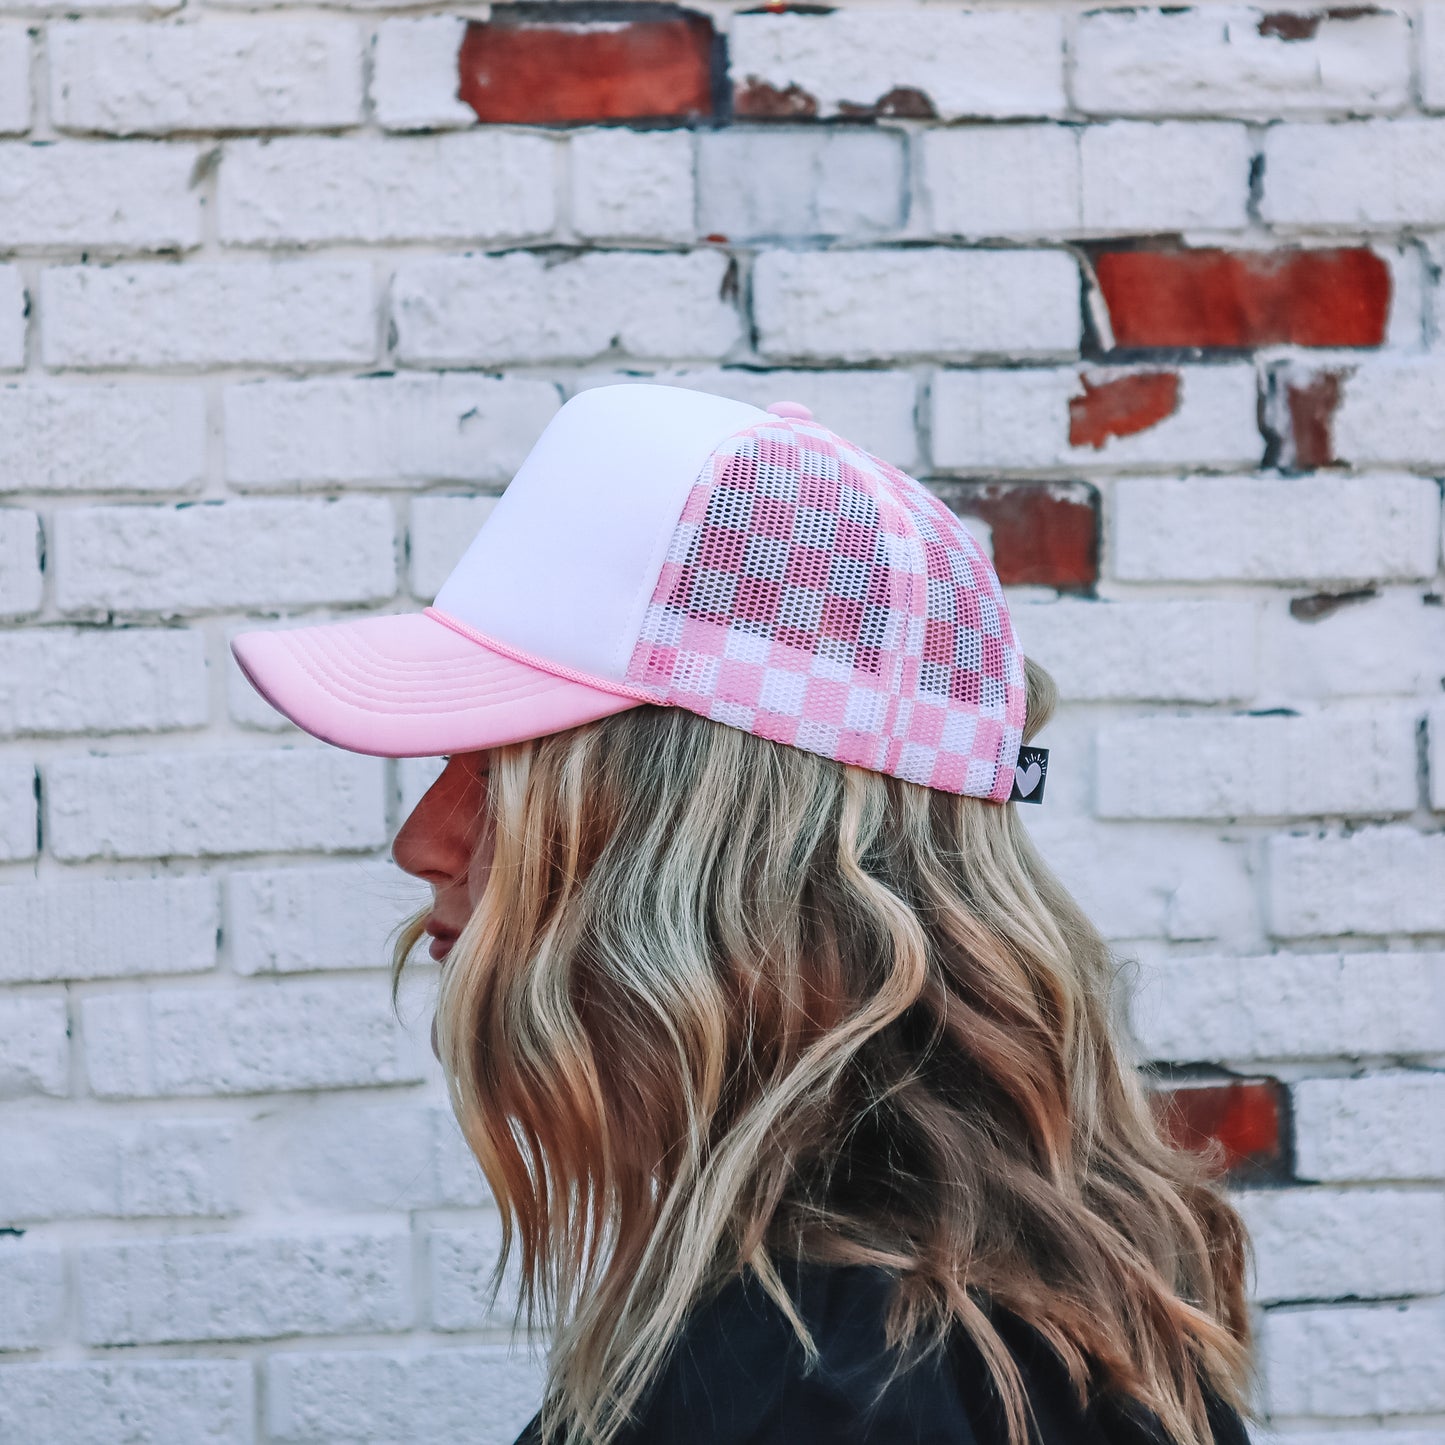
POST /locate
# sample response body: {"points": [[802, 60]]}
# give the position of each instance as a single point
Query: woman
{"points": [[791, 1067]]}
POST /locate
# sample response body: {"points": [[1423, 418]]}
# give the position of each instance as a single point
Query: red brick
{"points": [[1217, 298], [1043, 532], [1312, 403], [1243, 1118], [517, 70], [1121, 407], [756, 100]]}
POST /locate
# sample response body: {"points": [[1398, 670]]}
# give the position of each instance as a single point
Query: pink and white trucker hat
{"points": [[667, 546]]}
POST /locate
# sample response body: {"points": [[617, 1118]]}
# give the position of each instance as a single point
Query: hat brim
{"points": [[410, 687]]}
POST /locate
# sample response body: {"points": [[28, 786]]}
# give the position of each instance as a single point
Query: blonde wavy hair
{"points": [[724, 1002]]}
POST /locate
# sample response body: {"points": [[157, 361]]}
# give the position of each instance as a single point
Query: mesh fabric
{"points": [[815, 595]]}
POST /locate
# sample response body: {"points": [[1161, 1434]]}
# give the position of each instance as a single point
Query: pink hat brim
{"points": [[410, 687]]}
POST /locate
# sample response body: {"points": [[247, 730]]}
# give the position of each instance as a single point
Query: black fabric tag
{"points": [[1029, 776]]}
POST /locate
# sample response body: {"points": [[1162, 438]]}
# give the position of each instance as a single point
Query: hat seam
{"points": [[541, 664]]}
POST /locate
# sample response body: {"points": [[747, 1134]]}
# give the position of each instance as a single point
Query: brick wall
{"points": [[1152, 295]]}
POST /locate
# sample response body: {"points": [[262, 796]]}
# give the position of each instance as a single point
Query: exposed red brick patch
{"points": [[757, 100], [1244, 1118], [1304, 25], [1290, 24], [522, 71], [1312, 405], [903, 102], [1218, 298], [1121, 407], [1043, 532]]}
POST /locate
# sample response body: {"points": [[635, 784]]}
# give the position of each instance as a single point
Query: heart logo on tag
{"points": [[1027, 779]]}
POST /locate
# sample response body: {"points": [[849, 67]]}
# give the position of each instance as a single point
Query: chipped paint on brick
{"points": [[1215, 298], [757, 100], [515, 70], [903, 102], [1311, 405], [1241, 1122], [1121, 407], [1044, 533]]}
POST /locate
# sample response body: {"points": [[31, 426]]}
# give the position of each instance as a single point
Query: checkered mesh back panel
{"points": [[817, 596]]}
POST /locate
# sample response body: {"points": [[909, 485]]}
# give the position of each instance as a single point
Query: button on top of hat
{"points": [[791, 409]]}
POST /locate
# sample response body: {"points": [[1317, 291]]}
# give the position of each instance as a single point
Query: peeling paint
{"points": [[1121, 407], [1312, 405], [903, 102], [760, 101]]}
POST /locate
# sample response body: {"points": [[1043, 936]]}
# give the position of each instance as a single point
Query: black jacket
{"points": [[737, 1377]]}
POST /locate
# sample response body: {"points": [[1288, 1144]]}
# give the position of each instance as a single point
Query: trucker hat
{"points": [[667, 546]]}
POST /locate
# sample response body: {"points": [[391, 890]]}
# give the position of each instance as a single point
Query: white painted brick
{"points": [[1357, 761], [208, 804], [1366, 1360], [1366, 1436], [875, 409], [160, 1401], [1219, 60], [132, 196], [261, 73], [208, 314], [14, 79], [102, 438], [970, 180], [346, 1156], [1392, 412], [1137, 881], [1377, 881], [1158, 651], [232, 1287], [633, 185], [1019, 420], [967, 63], [489, 186], [1390, 643], [298, 920], [20, 580], [1127, 176], [32, 1284], [380, 430], [1368, 175], [55, 680], [1435, 758], [1291, 1006], [333, 1035], [1169, 176], [12, 319], [18, 812], [476, 1396], [442, 529], [460, 1264], [34, 1045], [862, 305], [756, 183], [519, 307], [74, 1168], [1276, 529], [1382, 1126], [414, 74], [107, 928], [1432, 55], [1319, 1244], [176, 560]]}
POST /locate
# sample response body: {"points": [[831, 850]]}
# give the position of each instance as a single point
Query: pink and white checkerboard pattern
{"points": [[817, 596]]}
